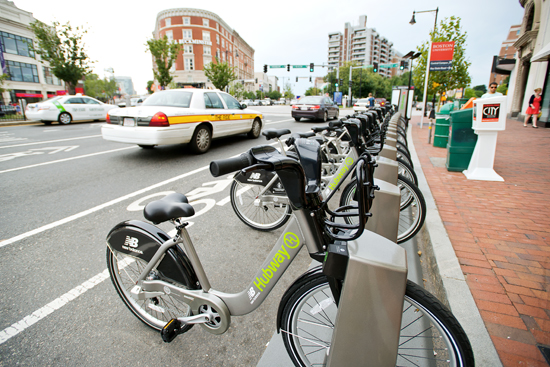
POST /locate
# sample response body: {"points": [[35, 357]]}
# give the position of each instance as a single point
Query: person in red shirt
{"points": [[534, 108]]}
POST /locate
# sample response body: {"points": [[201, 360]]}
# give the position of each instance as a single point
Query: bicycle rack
{"points": [[371, 299], [385, 210]]}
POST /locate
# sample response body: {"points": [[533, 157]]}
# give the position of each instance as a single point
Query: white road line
{"points": [[97, 208], [49, 141], [276, 122], [67, 159]]}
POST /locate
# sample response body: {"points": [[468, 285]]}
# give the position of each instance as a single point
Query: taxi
{"points": [[66, 109], [182, 116]]}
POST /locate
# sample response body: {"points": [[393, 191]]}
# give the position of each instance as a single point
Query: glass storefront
{"points": [[545, 105]]}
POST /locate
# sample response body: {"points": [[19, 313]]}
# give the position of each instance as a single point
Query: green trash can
{"points": [[442, 123], [462, 140]]}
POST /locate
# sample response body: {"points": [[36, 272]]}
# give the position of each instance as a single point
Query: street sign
{"points": [[299, 66], [442, 56], [388, 66], [277, 66]]}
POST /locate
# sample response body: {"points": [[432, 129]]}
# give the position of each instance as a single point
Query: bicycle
{"points": [[161, 279]]}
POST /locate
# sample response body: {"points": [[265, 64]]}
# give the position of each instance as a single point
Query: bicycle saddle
{"points": [[274, 133], [171, 206]]}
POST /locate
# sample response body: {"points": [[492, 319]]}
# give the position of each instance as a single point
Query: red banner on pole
{"points": [[441, 58]]}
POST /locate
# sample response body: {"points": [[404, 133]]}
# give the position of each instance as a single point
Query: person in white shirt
{"points": [[492, 91]]}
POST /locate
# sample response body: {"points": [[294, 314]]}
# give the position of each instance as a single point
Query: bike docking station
{"points": [[385, 209], [489, 118]]}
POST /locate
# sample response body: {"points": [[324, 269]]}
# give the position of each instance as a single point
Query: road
{"points": [[63, 188]]}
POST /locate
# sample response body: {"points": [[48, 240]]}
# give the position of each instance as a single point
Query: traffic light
{"points": [[265, 68], [288, 67], [340, 81], [310, 79], [336, 84], [311, 67], [296, 79], [375, 67], [402, 65]]}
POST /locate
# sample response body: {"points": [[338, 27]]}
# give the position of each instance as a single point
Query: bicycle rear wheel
{"points": [[255, 211], [407, 171], [430, 334]]}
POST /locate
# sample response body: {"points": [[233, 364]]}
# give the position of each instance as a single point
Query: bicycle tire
{"points": [[154, 312], [266, 217], [412, 214], [404, 169], [429, 331], [404, 154]]}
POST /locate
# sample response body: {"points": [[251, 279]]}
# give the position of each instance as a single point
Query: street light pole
{"points": [[412, 22]]}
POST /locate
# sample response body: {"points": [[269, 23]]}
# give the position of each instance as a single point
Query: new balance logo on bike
{"points": [[255, 177], [251, 292], [131, 244]]}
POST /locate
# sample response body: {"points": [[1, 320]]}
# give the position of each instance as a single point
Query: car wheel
{"points": [[254, 133], [65, 118], [202, 138], [146, 146], [297, 119], [325, 116]]}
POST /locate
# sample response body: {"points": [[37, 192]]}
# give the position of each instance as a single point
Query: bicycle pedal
{"points": [[171, 330]]}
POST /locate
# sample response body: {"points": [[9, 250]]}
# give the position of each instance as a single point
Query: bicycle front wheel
{"points": [[264, 212], [430, 334]]}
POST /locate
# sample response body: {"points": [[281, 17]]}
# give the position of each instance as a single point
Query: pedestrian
{"points": [[492, 91], [371, 100], [533, 109]]}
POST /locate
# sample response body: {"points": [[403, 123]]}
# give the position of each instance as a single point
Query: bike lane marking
{"points": [[49, 141]]}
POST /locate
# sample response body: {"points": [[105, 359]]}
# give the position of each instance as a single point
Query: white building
{"points": [[28, 77]]}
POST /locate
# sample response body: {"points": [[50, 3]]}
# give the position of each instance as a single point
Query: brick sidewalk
{"points": [[500, 232]]}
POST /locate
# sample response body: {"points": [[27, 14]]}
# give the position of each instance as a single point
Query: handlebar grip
{"points": [[224, 166]]}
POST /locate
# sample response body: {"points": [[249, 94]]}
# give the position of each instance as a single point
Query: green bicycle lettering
{"points": [[292, 241], [343, 169]]}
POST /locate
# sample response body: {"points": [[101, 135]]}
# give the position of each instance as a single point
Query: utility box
{"points": [[442, 124], [462, 140]]}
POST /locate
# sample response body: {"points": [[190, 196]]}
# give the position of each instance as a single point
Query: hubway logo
{"points": [[290, 241], [348, 163]]}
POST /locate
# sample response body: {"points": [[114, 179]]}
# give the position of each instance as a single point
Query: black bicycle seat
{"points": [[171, 206]]}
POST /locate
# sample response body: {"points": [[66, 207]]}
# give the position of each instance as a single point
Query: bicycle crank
{"points": [[175, 327]]}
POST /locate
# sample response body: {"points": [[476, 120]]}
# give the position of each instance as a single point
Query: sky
{"points": [[280, 32]]}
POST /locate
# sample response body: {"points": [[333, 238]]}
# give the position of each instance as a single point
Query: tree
{"points": [[275, 95], [150, 86], [63, 48], [103, 89], [481, 88], [220, 73], [3, 77], [164, 54], [442, 81], [237, 90], [470, 93], [364, 81], [288, 91], [249, 95], [313, 92]]}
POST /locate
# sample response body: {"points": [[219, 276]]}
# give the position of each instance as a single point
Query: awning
{"points": [[543, 54], [28, 95]]}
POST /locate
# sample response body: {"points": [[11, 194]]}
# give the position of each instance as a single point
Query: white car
{"points": [[181, 116], [361, 105], [66, 109]]}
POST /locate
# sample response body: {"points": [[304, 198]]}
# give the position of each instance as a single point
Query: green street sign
{"points": [[388, 66], [367, 66], [277, 66], [299, 66]]}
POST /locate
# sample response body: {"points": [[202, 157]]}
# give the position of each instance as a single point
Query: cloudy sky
{"points": [[281, 31]]}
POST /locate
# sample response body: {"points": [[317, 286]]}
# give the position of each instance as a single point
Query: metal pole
{"points": [[408, 91], [428, 72], [349, 89]]}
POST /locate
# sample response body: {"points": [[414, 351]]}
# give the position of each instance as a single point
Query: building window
{"points": [[189, 64], [218, 27], [169, 35], [218, 39], [186, 20], [223, 42], [207, 50], [186, 34], [205, 22], [205, 36], [20, 72], [168, 22], [16, 45], [188, 49], [50, 78]]}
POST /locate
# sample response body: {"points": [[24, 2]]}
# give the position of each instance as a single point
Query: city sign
{"points": [[441, 58], [277, 66]]}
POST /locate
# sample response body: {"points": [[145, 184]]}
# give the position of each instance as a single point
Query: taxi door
{"points": [[76, 107], [241, 121], [94, 109], [218, 114]]}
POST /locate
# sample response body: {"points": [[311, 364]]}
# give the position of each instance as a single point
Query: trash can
{"points": [[462, 140], [441, 132], [459, 102]]}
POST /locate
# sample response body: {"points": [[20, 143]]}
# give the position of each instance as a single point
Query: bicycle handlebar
{"points": [[222, 167]]}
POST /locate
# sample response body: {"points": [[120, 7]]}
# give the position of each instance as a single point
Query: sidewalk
{"points": [[500, 232]]}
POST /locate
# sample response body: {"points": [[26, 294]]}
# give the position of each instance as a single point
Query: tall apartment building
{"points": [[29, 78], [204, 36], [507, 52], [361, 44]]}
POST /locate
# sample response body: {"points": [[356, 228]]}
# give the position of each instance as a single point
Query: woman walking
{"points": [[534, 108]]}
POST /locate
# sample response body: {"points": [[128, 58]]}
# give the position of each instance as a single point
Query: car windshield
{"points": [[170, 99], [363, 101], [311, 100]]}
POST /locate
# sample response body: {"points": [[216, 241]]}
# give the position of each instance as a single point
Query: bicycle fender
{"points": [[312, 273], [142, 240]]}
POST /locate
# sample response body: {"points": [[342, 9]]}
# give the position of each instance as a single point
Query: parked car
{"points": [[361, 105], [266, 102], [293, 102], [180, 116], [315, 107], [66, 109], [379, 102], [419, 106]]}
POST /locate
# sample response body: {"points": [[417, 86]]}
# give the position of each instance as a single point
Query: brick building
{"points": [[204, 36], [506, 56]]}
